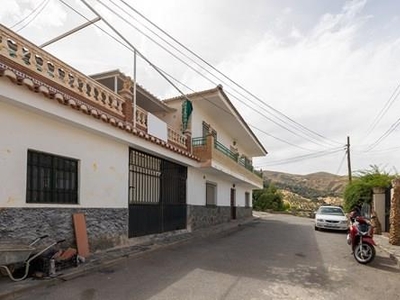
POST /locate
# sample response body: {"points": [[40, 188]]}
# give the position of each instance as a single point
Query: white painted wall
{"points": [[196, 192], [224, 136], [103, 163], [21, 96], [31, 121]]}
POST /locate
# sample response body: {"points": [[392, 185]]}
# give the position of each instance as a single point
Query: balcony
{"points": [[27, 64], [210, 150]]}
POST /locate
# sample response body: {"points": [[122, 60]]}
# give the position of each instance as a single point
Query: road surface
{"points": [[274, 257]]}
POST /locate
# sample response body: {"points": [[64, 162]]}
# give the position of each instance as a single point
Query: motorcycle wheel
{"points": [[364, 253]]}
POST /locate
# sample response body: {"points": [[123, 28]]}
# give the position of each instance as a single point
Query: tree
{"points": [[394, 231], [268, 198], [360, 189]]}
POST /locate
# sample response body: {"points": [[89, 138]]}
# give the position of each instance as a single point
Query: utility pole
{"points": [[348, 158]]}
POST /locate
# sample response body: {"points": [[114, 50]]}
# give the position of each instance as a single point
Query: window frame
{"points": [[214, 200], [51, 179]]}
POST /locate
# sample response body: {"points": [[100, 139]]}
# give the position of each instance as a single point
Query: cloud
{"points": [[38, 14], [9, 8], [330, 68], [326, 79]]}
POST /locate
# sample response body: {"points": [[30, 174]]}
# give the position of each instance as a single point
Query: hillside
{"points": [[317, 187]]}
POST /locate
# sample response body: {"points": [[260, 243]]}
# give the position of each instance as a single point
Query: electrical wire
{"points": [[385, 135], [301, 157], [279, 139], [341, 163], [196, 63], [384, 109], [387, 150], [230, 113], [219, 72], [35, 16], [199, 73], [157, 68], [30, 13]]}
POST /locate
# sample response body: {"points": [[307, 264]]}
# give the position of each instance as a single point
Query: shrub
{"points": [[360, 189], [268, 198]]}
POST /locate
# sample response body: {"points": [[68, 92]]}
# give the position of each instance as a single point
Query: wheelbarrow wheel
{"points": [[3, 272]]}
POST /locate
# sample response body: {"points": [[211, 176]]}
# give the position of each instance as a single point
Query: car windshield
{"points": [[331, 211]]}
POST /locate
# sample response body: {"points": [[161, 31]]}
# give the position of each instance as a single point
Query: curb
{"points": [[393, 256]]}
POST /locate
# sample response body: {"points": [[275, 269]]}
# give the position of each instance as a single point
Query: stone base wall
{"points": [[244, 212], [205, 216], [106, 227]]}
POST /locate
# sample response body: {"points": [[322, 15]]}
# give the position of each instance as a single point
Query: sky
{"points": [[304, 74]]}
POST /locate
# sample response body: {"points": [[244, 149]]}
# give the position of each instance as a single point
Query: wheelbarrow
{"points": [[12, 255]]}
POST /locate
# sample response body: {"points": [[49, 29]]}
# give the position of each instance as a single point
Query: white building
{"points": [[69, 144]]}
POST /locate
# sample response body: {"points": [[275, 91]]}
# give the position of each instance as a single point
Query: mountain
{"points": [[315, 186]]}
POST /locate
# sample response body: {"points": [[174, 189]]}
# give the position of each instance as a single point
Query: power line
{"points": [[341, 163], [202, 75], [384, 135], [230, 113], [381, 151], [219, 72], [35, 16], [131, 47], [384, 109], [302, 157], [28, 15], [165, 73], [279, 139], [199, 65]]}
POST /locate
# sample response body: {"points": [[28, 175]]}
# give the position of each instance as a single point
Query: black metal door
{"points": [[157, 195], [173, 195]]}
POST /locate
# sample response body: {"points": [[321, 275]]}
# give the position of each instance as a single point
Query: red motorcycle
{"points": [[360, 237]]}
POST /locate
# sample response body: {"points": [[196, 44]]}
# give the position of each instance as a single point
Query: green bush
{"points": [[360, 189], [268, 198]]}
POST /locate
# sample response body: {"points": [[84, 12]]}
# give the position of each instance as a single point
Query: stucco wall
{"points": [[103, 163], [224, 136], [196, 189]]}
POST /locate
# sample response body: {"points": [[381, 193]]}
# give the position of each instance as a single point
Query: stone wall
{"points": [[205, 216], [106, 227], [244, 212]]}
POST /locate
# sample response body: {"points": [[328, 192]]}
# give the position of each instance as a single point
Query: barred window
{"points": [[144, 178], [51, 179], [211, 193]]}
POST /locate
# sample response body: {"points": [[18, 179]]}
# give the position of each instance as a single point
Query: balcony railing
{"points": [[44, 64], [201, 142], [35, 60], [225, 150]]}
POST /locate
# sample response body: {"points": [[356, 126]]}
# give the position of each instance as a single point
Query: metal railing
{"points": [[225, 150], [199, 141], [241, 160], [245, 162]]}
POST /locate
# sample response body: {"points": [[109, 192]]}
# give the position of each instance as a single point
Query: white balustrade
{"points": [[39, 61]]}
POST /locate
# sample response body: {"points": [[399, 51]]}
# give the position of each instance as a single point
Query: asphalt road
{"points": [[275, 257]]}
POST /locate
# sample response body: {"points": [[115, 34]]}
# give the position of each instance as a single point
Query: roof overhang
{"points": [[219, 107], [144, 98]]}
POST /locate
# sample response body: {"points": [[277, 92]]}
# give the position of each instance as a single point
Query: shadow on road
{"points": [[384, 264]]}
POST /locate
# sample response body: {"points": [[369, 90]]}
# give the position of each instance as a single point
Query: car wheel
{"points": [[316, 228]]}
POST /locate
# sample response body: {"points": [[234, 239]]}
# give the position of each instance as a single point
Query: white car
{"points": [[331, 217]]}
